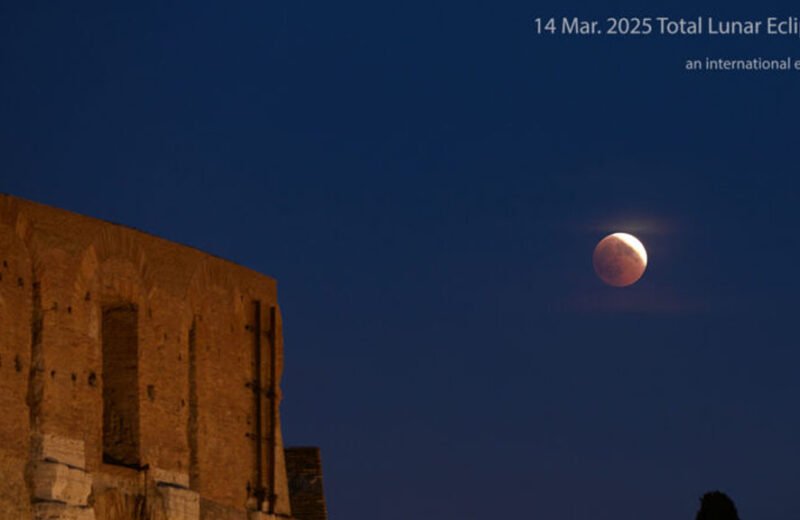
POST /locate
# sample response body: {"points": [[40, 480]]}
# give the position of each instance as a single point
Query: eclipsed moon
{"points": [[619, 259]]}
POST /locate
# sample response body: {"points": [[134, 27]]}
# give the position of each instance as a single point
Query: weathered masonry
{"points": [[304, 467], [139, 379]]}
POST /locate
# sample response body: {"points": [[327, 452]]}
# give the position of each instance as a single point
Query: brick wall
{"points": [[117, 343], [304, 470]]}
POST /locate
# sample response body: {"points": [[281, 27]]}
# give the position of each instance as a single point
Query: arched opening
{"points": [[121, 385]]}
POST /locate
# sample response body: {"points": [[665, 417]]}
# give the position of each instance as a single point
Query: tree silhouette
{"points": [[716, 505]]}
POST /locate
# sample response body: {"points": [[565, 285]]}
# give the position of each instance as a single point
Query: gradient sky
{"points": [[427, 181]]}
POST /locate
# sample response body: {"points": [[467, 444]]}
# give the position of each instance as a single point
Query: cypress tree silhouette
{"points": [[716, 505]]}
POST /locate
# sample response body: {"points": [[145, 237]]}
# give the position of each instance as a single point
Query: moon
{"points": [[619, 259]]}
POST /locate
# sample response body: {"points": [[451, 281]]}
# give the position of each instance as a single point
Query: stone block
{"points": [[171, 478], [52, 511], [180, 504], [54, 448], [60, 483]]}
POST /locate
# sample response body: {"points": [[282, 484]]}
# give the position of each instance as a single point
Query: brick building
{"points": [[139, 379]]}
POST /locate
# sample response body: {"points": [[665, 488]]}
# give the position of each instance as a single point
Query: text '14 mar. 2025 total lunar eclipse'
{"points": [[619, 259]]}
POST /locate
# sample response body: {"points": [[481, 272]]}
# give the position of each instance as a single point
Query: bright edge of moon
{"points": [[634, 243]]}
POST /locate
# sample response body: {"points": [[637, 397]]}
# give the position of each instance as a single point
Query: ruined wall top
{"points": [[168, 265]]}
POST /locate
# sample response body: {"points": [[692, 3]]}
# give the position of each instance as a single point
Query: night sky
{"points": [[427, 181]]}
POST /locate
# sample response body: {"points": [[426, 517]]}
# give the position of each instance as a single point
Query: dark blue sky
{"points": [[427, 181]]}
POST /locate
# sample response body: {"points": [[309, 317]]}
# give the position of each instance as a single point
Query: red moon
{"points": [[619, 259]]}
